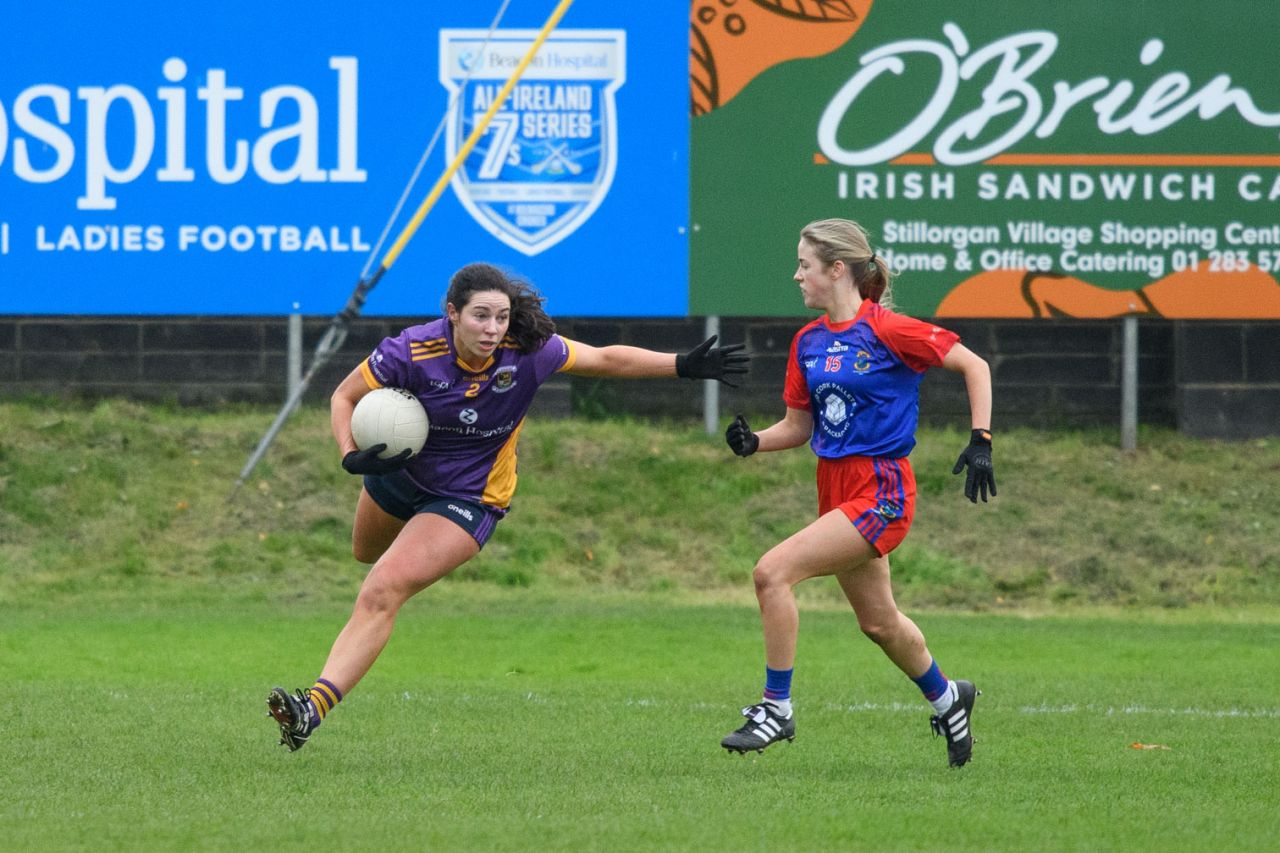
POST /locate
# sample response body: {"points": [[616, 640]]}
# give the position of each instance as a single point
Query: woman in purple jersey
{"points": [[852, 392], [476, 371]]}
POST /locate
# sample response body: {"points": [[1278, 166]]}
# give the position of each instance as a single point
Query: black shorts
{"points": [[398, 495]]}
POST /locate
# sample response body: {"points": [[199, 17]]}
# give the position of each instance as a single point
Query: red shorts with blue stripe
{"points": [[877, 494]]}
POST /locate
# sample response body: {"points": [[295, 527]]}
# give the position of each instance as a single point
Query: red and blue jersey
{"points": [[475, 415], [861, 380]]}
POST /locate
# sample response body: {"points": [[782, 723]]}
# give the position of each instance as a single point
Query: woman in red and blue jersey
{"points": [[476, 371], [852, 392]]}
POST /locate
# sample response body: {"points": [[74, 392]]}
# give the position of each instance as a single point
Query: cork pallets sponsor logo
{"points": [[547, 159]]}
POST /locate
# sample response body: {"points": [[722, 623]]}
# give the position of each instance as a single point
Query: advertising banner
{"points": [[242, 158], [1010, 159]]}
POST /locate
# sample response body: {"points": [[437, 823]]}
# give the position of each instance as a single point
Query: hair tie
{"points": [[871, 260]]}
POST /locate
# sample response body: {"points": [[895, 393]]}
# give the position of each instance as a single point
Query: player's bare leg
{"points": [[827, 546], [870, 592], [373, 530], [426, 549]]}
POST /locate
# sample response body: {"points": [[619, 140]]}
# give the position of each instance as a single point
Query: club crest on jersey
{"points": [[547, 159], [504, 379], [862, 361]]}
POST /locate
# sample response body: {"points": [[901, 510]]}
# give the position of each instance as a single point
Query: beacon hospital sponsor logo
{"points": [[51, 132], [548, 157], [119, 141], [544, 165]]}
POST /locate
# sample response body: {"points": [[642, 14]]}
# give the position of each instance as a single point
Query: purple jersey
{"points": [[475, 415], [861, 380]]}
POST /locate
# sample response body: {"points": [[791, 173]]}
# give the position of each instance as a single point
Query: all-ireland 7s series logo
{"points": [[547, 159]]}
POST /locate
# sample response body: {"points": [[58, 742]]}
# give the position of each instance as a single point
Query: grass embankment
{"points": [[133, 502]]}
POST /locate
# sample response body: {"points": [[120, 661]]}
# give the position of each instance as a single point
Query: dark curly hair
{"points": [[530, 326]]}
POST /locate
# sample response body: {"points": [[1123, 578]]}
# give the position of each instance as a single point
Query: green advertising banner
{"points": [[1010, 158]]}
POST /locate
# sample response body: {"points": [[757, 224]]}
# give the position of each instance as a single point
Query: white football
{"points": [[390, 416]]}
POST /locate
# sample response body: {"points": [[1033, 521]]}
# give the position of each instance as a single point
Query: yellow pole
{"points": [[476, 133]]}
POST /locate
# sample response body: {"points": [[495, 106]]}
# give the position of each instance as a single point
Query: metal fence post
{"points": [[294, 377], [1129, 386], [710, 387]]}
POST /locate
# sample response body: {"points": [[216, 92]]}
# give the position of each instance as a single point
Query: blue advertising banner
{"points": [[236, 158]]}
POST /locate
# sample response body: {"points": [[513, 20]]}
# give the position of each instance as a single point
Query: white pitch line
{"points": [[1100, 710], [895, 707], [1111, 710]]}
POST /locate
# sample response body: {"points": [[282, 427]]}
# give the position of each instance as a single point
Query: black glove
{"points": [[978, 457], [741, 439], [703, 362], [367, 462]]}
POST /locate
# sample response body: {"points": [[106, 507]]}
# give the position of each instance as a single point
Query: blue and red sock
{"points": [[936, 688], [777, 689]]}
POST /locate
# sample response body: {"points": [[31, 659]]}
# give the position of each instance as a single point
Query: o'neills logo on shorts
{"points": [[462, 511], [547, 158]]}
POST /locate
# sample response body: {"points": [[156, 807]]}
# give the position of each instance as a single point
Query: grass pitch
{"points": [[568, 689], [515, 719]]}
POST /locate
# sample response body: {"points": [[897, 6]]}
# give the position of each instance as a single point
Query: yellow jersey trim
{"points": [[481, 369], [573, 355], [423, 350], [501, 485], [369, 378]]}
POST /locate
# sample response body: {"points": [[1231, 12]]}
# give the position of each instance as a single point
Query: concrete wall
{"points": [[1212, 379], [1228, 379]]}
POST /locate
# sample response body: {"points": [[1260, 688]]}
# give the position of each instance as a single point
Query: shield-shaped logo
{"points": [[504, 379], [547, 158]]}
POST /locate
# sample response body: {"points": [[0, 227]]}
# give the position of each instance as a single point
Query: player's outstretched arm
{"points": [[706, 361]]}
